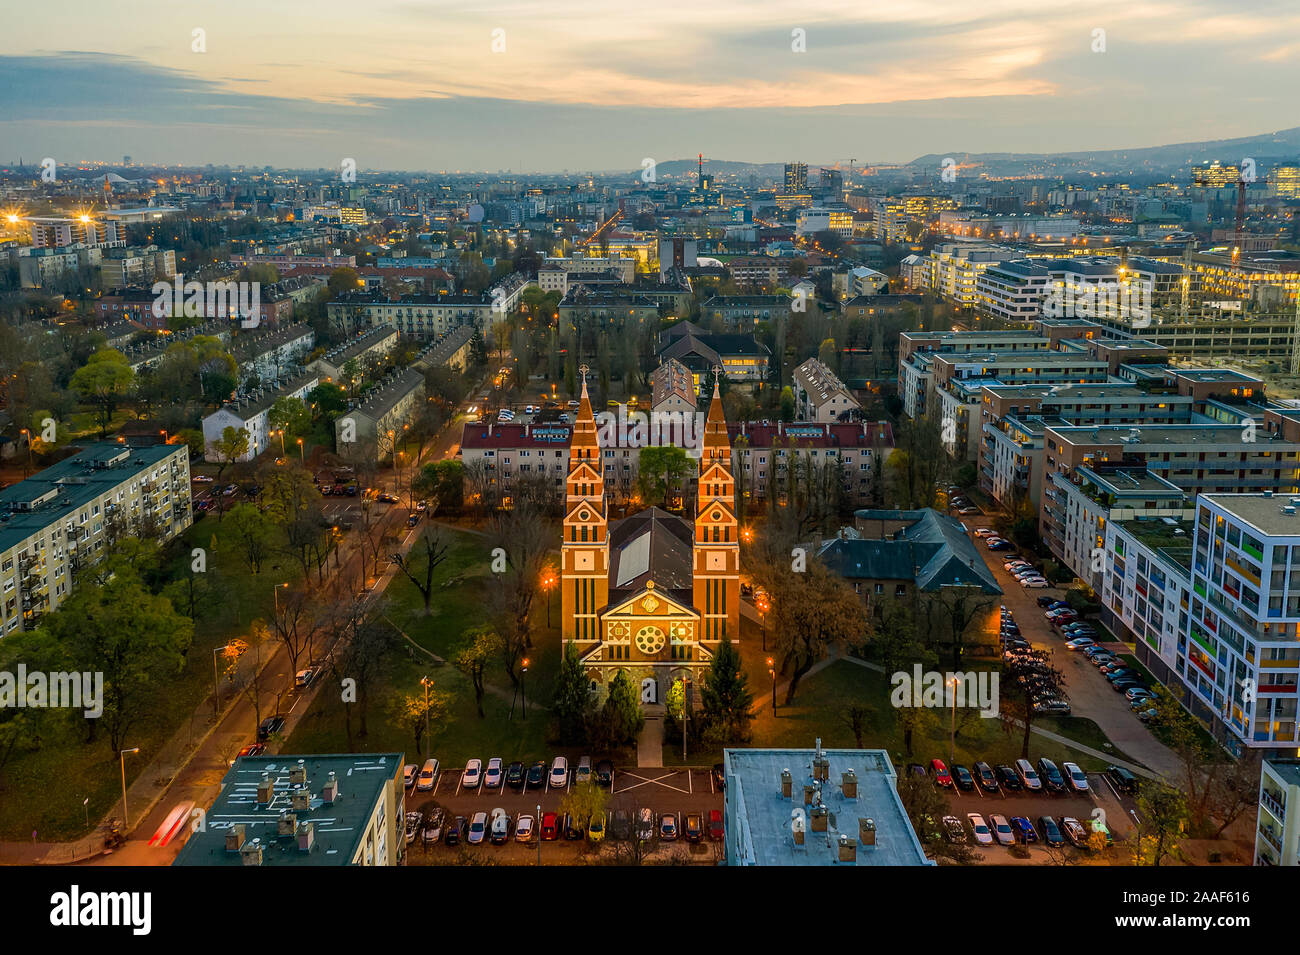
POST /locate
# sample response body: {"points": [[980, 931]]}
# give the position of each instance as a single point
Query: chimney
{"points": [[266, 790], [797, 826], [298, 774], [306, 836], [867, 831], [809, 794], [787, 784], [301, 799], [331, 791], [287, 825], [848, 849], [235, 837], [819, 817], [251, 854], [849, 784]]}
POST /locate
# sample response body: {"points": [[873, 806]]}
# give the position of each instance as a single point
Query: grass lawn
{"points": [[43, 789], [460, 601]]}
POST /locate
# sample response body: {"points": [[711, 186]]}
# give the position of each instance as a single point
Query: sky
{"points": [[590, 85]]}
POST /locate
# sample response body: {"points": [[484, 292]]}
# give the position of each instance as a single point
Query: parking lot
{"points": [[632, 789]]}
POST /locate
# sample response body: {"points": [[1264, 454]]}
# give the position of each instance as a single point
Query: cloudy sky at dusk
{"points": [[588, 85]]}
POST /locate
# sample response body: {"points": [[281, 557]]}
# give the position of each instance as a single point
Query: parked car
{"points": [[1122, 779], [715, 825], [1028, 778], [409, 773], [1024, 829], [428, 776], [1079, 643], [583, 773], [1076, 777], [253, 749], [457, 832], [1034, 583], [979, 828], [1140, 693], [550, 827], [472, 775], [536, 777], [940, 772], [524, 828], [559, 777], [1008, 778], [515, 775], [492, 775], [668, 826], [1052, 778], [433, 826], [303, 678], [1074, 832], [269, 727], [963, 778], [693, 827], [414, 822], [645, 824], [719, 777], [984, 776], [573, 827], [1002, 831], [605, 773], [477, 829], [1046, 602], [1051, 831], [984, 532], [596, 828], [499, 826], [953, 830]]}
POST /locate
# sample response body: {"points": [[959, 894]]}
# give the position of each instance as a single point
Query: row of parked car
{"points": [[1020, 777], [495, 774], [499, 827], [1019, 829], [1045, 693]]}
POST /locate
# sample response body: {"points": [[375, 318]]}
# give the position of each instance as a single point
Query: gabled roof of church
{"points": [[934, 551], [651, 545]]}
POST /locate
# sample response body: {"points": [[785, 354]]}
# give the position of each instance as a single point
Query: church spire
{"points": [[717, 443]]}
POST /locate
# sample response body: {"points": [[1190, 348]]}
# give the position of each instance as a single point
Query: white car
{"points": [[530, 409], [1002, 831], [524, 828], [204, 478], [1076, 777], [1034, 583], [477, 829], [985, 532], [559, 772], [428, 776], [978, 826], [492, 777], [1013, 565], [1079, 643], [473, 774]]}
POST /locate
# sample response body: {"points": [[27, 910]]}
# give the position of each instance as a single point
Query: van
{"points": [[428, 776], [1051, 777], [1028, 778], [500, 828]]}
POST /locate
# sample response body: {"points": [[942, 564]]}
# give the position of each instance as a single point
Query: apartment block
{"points": [[251, 414]]}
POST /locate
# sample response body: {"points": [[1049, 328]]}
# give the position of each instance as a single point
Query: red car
{"points": [[252, 749], [550, 827], [941, 775], [715, 825]]}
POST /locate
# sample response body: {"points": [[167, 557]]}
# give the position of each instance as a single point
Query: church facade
{"points": [[652, 594]]}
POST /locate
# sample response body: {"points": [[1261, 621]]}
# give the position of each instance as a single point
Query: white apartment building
{"points": [[819, 394], [251, 413], [1277, 825]]}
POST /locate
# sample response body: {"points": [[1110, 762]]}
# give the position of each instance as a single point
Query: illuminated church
{"points": [[653, 594]]}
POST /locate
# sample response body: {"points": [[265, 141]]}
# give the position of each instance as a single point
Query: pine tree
{"points": [[621, 716], [573, 697], [725, 695]]}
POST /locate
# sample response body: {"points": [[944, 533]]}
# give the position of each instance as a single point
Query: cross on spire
{"points": [[582, 370], [717, 373]]}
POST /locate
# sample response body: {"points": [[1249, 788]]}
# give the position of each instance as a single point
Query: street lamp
{"points": [[548, 584], [126, 819], [28, 465], [277, 597], [301, 454], [216, 692], [523, 689], [952, 735], [281, 434], [537, 833], [426, 683], [763, 607], [771, 671]]}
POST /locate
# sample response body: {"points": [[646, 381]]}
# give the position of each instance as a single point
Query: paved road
{"points": [[1090, 695]]}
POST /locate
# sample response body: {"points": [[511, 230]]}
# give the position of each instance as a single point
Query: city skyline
{"points": [[576, 88]]}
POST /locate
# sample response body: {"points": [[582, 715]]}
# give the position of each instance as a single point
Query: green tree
{"points": [[660, 470], [102, 382], [585, 801], [420, 713], [252, 528], [788, 405], [291, 415], [725, 697], [1164, 815], [473, 660], [230, 447], [572, 702], [620, 719]]}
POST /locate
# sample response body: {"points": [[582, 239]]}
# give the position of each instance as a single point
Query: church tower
{"points": [[717, 532], [584, 553]]}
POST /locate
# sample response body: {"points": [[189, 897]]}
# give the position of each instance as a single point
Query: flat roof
{"points": [[1166, 435], [1262, 512], [757, 810], [1286, 768], [339, 827]]}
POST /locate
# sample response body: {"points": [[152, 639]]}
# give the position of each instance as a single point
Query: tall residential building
{"points": [[1277, 824], [796, 178]]}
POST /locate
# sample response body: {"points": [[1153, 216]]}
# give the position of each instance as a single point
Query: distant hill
{"points": [[1265, 148]]}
